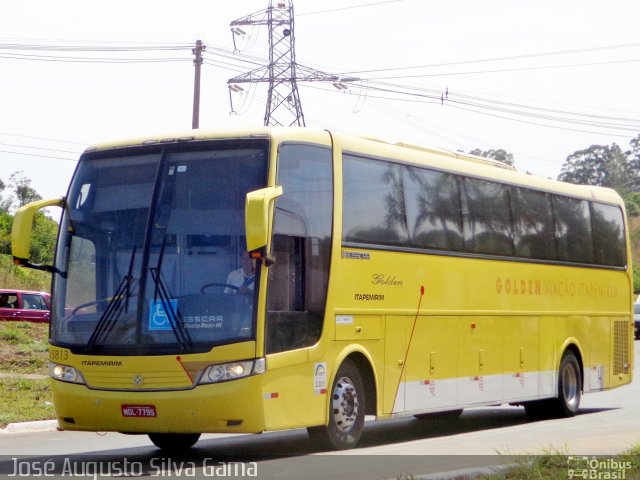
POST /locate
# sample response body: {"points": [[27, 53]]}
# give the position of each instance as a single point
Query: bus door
{"points": [[297, 284]]}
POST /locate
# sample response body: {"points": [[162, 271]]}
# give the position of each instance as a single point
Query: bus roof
{"points": [[442, 159]]}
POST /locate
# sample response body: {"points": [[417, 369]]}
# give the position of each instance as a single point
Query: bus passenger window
{"points": [[573, 229], [608, 235], [486, 214], [533, 224]]}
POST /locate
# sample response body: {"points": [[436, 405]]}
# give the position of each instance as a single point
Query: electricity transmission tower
{"points": [[282, 72]]}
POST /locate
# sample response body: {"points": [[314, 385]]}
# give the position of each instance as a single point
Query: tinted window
{"points": [[608, 233], [486, 217], [533, 224], [398, 205], [573, 229], [433, 209], [374, 202]]}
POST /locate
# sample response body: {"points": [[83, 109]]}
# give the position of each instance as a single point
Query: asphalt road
{"points": [[608, 423]]}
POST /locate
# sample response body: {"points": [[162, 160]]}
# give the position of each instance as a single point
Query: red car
{"points": [[21, 305]]}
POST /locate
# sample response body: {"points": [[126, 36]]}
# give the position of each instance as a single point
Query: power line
{"points": [[54, 58], [10, 134], [498, 59], [505, 70], [349, 8], [282, 72], [77, 47], [38, 148], [501, 113], [40, 156], [50, 52], [441, 96]]}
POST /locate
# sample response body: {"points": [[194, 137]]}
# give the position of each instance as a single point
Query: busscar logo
{"points": [[356, 255]]}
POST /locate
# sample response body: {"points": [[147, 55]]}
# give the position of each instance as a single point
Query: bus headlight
{"points": [[232, 371], [65, 373]]}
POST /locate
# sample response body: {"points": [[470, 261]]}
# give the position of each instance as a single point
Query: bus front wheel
{"points": [[346, 411], [174, 442]]}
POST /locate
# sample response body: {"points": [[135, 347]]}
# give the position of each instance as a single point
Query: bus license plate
{"points": [[138, 410]]}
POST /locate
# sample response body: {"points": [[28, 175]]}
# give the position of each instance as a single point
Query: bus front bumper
{"points": [[229, 407]]}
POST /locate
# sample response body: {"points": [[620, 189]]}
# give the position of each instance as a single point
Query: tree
{"points": [[499, 155], [632, 204], [3, 203], [602, 165], [5, 231], [43, 239], [634, 158], [21, 191], [634, 153]]}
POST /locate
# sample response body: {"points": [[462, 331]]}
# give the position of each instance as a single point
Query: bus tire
{"points": [[174, 442], [346, 411], [567, 403]]}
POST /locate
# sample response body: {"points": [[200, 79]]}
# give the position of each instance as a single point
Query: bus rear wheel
{"points": [[346, 411], [567, 403], [174, 442]]}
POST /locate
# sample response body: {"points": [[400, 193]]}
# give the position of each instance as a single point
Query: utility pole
{"points": [[282, 72], [197, 62]]}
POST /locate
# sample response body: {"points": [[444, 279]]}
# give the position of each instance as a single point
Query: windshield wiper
{"points": [[119, 303], [174, 317]]}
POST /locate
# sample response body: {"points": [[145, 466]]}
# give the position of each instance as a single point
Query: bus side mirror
{"points": [[22, 228], [257, 219]]}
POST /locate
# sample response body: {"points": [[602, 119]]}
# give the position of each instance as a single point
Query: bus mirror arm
{"points": [[257, 216], [261, 255], [22, 229], [21, 262]]}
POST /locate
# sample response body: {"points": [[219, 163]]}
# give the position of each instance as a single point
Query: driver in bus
{"points": [[243, 278]]}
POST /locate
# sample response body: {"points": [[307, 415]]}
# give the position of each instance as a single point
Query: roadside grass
{"points": [[554, 464], [24, 351], [25, 400], [24, 347]]}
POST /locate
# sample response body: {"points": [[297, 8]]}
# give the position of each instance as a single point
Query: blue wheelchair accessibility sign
{"points": [[158, 317]]}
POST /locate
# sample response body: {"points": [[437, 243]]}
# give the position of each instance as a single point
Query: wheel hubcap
{"points": [[570, 386], [344, 404]]}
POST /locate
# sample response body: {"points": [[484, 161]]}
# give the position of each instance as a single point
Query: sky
{"points": [[539, 79]]}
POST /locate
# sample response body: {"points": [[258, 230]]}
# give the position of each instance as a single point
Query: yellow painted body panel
{"points": [[437, 331], [480, 319], [226, 407], [23, 224]]}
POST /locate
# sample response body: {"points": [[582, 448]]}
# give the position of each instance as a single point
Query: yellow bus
{"points": [[256, 280]]}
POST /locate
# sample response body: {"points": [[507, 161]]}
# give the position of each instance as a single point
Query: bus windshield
{"points": [[150, 255]]}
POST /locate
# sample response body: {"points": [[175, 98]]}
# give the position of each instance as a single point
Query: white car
{"points": [[636, 320]]}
